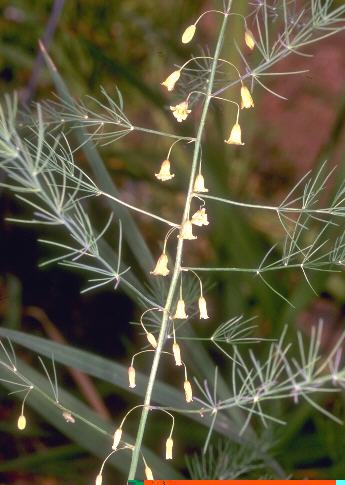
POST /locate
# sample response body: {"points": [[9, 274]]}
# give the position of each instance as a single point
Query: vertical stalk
{"points": [[179, 253]]}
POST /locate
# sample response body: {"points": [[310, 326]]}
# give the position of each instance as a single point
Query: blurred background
{"points": [[133, 44]]}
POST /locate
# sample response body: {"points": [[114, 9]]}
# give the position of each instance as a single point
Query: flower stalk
{"points": [[178, 259]]}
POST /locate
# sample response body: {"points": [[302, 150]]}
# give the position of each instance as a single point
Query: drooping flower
{"points": [[246, 98], [21, 422], [188, 391], [131, 376], [161, 268], [177, 353], [117, 438], [164, 172], [180, 312], [186, 231], [203, 308], [68, 417], [168, 448], [99, 480], [235, 136], [199, 218], [171, 80], [152, 339], [199, 184], [148, 473], [180, 111], [188, 34], [249, 39]]}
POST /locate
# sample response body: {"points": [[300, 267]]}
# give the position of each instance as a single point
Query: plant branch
{"points": [[178, 260]]}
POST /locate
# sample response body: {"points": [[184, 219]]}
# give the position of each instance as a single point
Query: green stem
{"points": [[178, 260]]}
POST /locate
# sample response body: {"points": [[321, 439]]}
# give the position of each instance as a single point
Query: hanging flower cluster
{"points": [[199, 218]]}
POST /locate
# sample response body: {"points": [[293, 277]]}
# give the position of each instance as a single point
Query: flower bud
{"points": [[171, 80], [99, 479], [21, 422], [188, 34], [203, 308], [117, 438], [246, 98], [164, 172], [148, 473], [131, 376], [168, 449], [188, 390], [177, 353], [199, 184], [186, 231], [152, 339], [235, 136], [180, 312], [161, 268], [249, 39]]}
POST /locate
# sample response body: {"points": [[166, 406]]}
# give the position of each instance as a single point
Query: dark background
{"points": [[133, 44]]}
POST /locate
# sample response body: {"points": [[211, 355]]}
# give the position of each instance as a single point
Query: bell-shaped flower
{"points": [[21, 422], [249, 39], [199, 184], [203, 308], [180, 312], [148, 473], [188, 34], [152, 339], [186, 231], [99, 480], [171, 80], [177, 353], [161, 268], [117, 438], [199, 218], [188, 391], [131, 376], [164, 172], [169, 448], [235, 137], [180, 111], [246, 98]]}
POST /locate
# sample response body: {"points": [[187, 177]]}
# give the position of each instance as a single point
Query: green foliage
{"points": [[54, 161]]}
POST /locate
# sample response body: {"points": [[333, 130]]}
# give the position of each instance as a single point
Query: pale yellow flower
{"points": [[152, 340], [186, 231], [199, 218], [21, 422], [161, 268], [188, 391], [117, 438], [171, 80], [188, 34], [202, 308], [180, 111], [148, 473], [131, 376], [249, 39], [180, 312], [164, 172], [169, 448], [235, 136], [68, 417], [246, 98], [177, 353], [199, 184]]}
